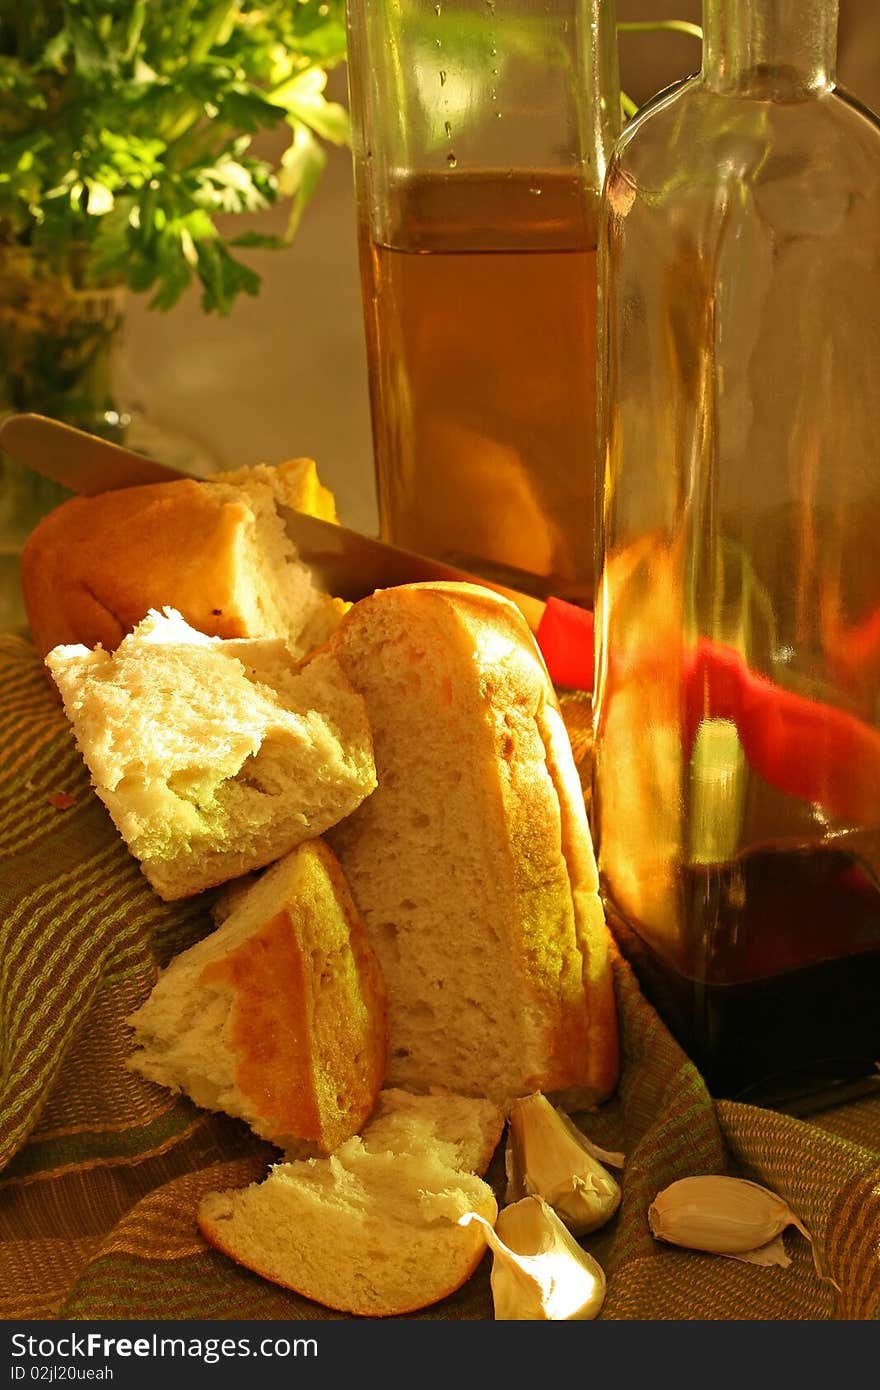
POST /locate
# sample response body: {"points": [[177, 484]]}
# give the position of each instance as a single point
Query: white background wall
{"points": [[285, 374]]}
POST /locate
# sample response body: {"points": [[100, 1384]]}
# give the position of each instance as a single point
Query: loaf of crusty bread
{"points": [[215, 549], [472, 863], [278, 1016], [214, 758], [372, 1230]]}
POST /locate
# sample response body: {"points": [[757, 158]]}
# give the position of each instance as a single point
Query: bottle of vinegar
{"points": [[737, 704]]}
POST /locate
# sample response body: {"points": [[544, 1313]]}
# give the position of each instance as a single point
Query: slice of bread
{"points": [[214, 758], [278, 1016], [371, 1230], [216, 550], [472, 863]]}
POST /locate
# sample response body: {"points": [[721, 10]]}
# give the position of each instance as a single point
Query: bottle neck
{"points": [[603, 80], [603, 21], [782, 49]]}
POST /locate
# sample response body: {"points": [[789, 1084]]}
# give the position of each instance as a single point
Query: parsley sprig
{"points": [[126, 128]]}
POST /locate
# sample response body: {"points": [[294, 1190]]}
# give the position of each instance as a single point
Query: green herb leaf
{"points": [[223, 277], [303, 97], [260, 240], [126, 125], [302, 165], [89, 54]]}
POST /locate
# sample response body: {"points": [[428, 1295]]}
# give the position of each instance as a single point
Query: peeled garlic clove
{"points": [[724, 1216], [546, 1156], [539, 1272]]}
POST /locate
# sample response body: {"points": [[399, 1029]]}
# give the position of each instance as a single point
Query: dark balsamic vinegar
{"points": [[781, 1000]]}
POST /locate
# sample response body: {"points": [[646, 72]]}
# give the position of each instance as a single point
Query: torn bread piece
{"points": [[373, 1229], [472, 863], [278, 1016], [214, 758], [466, 1129], [215, 549]]}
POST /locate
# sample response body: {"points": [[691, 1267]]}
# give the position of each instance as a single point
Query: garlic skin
{"points": [[546, 1156], [539, 1272], [724, 1216]]}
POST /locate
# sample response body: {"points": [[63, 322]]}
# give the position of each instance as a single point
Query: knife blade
{"points": [[83, 462], [351, 565], [345, 563]]}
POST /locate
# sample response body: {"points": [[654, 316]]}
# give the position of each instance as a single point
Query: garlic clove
{"points": [[721, 1215], [773, 1253], [610, 1157], [539, 1272], [547, 1156]]}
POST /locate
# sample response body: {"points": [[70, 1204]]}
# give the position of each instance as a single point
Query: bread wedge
{"points": [[472, 863], [214, 549], [371, 1230], [214, 758], [278, 1016]]}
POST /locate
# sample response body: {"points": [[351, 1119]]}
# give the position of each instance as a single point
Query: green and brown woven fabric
{"points": [[101, 1171]]}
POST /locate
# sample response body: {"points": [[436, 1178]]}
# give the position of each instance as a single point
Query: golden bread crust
{"points": [[345, 1301], [578, 996], [279, 1015], [410, 1266], [95, 566], [295, 1047], [270, 1032], [600, 1040]]}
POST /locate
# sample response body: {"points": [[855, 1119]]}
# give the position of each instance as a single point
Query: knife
{"points": [[343, 562], [83, 462]]}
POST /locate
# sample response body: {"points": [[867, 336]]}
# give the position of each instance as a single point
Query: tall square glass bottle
{"points": [[482, 130], [737, 708]]}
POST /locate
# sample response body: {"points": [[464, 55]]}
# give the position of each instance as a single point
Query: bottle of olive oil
{"points": [[736, 800], [481, 136]]}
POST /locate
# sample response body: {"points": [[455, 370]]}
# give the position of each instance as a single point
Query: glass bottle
{"points": [[736, 796], [481, 133]]}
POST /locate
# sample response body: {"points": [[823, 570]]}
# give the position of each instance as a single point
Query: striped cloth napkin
{"points": [[101, 1171]]}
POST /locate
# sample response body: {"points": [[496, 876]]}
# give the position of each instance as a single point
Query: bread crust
{"points": [[374, 1230], [92, 568], [278, 1016], [431, 1291], [554, 932], [601, 1044], [294, 1051]]}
